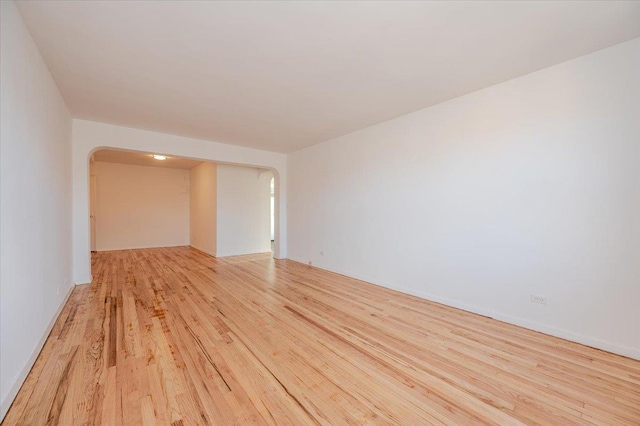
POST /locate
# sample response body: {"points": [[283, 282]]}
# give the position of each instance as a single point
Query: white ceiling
{"points": [[143, 159], [280, 76]]}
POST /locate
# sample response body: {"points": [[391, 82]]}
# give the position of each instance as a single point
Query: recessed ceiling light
{"points": [[159, 157]]}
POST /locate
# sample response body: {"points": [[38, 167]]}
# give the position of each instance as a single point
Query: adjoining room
{"points": [[320, 213], [142, 200]]}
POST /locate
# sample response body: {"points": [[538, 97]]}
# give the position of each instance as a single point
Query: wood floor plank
{"points": [[172, 336]]}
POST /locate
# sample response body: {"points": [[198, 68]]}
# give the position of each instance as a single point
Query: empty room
{"points": [[139, 200], [320, 212]]}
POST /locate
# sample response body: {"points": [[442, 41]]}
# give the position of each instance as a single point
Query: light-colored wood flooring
{"points": [[172, 336]]}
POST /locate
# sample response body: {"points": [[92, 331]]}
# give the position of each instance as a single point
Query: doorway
{"points": [[273, 212], [93, 208]]}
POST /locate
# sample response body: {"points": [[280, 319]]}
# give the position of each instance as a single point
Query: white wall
{"points": [[35, 203], [243, 211], [89, 136], [139, 207], [529, 186], [203, 210]]}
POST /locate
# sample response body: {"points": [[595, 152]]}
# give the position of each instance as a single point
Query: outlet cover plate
{"points": [[536, 298]]}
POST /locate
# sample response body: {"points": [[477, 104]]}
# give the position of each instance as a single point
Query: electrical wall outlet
{"points": [[536, 298]]}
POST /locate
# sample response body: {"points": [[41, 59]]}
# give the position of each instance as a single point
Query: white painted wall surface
{"points": [[35, 203], [529, 186], [140, 207], [243, 211], [203, 194], [89, 136]]}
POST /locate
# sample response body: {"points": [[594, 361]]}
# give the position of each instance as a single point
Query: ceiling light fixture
{"points": [[159, 157]]}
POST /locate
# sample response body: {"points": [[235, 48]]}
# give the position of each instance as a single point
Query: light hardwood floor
{"points": [[174, 336]]}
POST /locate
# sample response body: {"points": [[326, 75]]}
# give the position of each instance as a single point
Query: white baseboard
{"points": [[102, 249], [532, 325], [4, 406], [521, 322], [204, 251]]}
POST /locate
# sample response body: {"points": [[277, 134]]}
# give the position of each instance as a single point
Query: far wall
{"points": [[140, 207], [244, 203], [203, 208]]}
